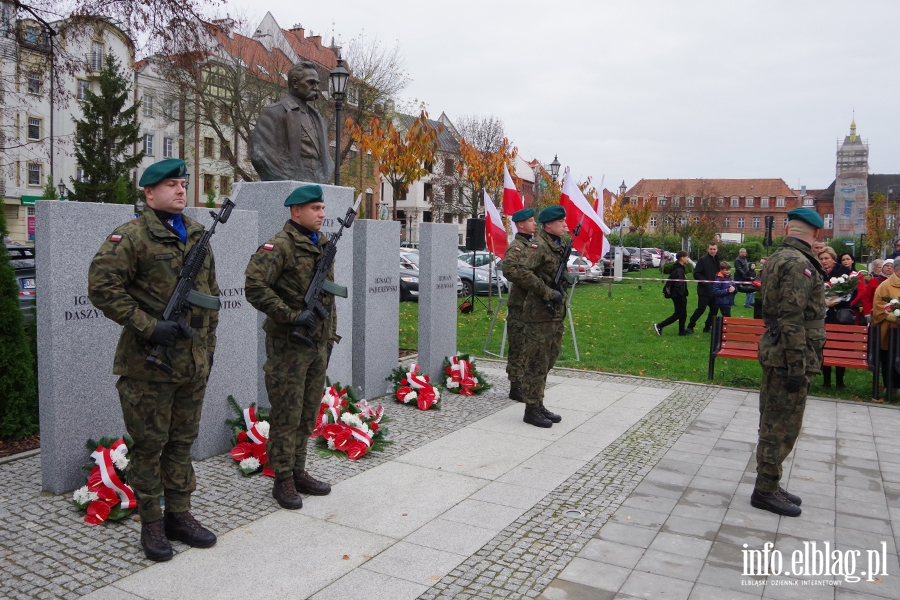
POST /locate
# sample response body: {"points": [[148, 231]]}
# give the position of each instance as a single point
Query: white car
{"points": [[582, 268]]}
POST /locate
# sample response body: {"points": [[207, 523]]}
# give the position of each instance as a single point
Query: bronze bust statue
{"points": [[290, 141]]}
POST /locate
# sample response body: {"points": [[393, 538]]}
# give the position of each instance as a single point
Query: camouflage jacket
{"points": [[278, 276], [534, 275], [793, 307], [513, 258], [131, 279]]}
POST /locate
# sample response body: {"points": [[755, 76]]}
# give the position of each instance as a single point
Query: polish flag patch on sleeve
{"points": [[807, 272], [115, 238], [534, 245], [268, 246]]}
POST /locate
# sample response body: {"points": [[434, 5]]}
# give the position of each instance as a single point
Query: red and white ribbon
{"points": [[251, 421], [102, 456], [360, 435], [365, 409], [461, 367], [417, 381]]}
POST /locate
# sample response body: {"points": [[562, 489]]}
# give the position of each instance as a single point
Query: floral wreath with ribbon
{"points": [[250, 432], [347, 425], [462, 377], [409, 386], [106, 497]]}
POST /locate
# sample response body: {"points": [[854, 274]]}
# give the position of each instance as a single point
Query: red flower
{"points": [[94, 479], [97, 512], [241, 451], [268, 472], [107, 495], [373, 426], [402, 392], [426, 398], [448, 370], [331, 430], [263, 459], [404, 381], [242, 437], [463, 391], [356, 450], [343, 440], [258, 450]]}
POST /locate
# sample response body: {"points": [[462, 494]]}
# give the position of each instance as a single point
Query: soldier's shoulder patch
{"points": [[517, 249], [807, 272], [268, 246], [115, 237], [534, 245]]}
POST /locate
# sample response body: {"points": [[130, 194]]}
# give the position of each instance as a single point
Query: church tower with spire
{"points": [[851, 192]]}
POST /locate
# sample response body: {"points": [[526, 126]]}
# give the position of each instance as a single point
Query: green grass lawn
{"points": [[616, 335]]}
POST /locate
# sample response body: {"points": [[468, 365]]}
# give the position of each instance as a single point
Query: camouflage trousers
{"points": [[515, 335], [163, 418], [544, 341], [295, 380], [780, 419]]}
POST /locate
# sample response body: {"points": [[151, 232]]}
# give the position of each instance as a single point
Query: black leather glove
{"points": [[793, 383], [209, 358], [164, 333], [306, 319], [557, 297]]}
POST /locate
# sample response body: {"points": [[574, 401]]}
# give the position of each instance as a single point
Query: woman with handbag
{"points": [[889, 288], [840, 309], [678, 293]]}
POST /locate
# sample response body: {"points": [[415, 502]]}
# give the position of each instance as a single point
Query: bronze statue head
{"points": [[303, 81]]}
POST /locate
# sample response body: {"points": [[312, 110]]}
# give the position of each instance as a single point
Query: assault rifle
{"points": [[320, 283], [562, 274], [185, 293]]}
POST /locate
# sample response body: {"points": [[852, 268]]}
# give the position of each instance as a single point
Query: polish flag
{"points": [[495, 233], [591, 241], [512, 201]]}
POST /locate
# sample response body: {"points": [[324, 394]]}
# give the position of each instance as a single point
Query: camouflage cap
{"points": [[305, 194], [806, 215], [552, 213], [169, 168], [522, 215]]}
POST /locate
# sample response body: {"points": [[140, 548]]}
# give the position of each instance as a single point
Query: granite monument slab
{"points": [[437, 296]]}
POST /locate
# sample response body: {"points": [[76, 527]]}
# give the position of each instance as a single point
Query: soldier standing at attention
{"points": [[278, 276], [543, 311], [790, 353], [131, 279], [512, 260]]}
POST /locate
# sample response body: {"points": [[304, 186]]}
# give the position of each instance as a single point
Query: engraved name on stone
{"points": [[383, 285], [445, 282]]}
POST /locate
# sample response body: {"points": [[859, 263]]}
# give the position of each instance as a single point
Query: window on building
{"points": [[652, 221], [690, 203], [402, 195], [168, 147], [147, 104], [727, 222], [370, 165], [755, 222], [426, 216], [448, 217], [35, 81], [224, 184], [208, 182], [31, 34], [83, 87], [696, 220], [890, 221], [208, 144], [735, 202], [224, 150], [169, 109], [148, 144], [661, 200], [720, 202], [34, 128], [461, 219], [429, 167], [448, 193], [682, 221], [748, 202], [740, 222], [764, 203], [449, 166], [676, 202], [779, 202], [807, 202], [829, 221], [369, 197], [35, 174], [225, 114], [80, 175]]}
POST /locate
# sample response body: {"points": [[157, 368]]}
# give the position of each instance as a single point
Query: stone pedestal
{"points": [[437, 295], [376, 304], [267, 198]]}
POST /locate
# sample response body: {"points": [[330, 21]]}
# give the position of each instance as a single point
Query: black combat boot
{"points": [[515, 393], [286, 494], [775, 503], [305, 484], [153, 541], [793, 498], [182, 526], [533, 416], [552, 417]]}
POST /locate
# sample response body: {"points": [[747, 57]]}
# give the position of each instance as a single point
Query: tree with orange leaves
{"points": [[483, 149], [402, 158]]}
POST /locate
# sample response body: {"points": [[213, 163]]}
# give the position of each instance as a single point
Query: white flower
{"points": [[119, 460], [833, 280], [331, 445], [452, 384], [410, 397], [251, 462], [263, 428], [84, 496], [352, 420], [897, 312]]}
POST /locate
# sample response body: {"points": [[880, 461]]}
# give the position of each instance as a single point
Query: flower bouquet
{"points": [[462, 376], [412, 386], [106, 497], [250, 432], [843, 285], [892, 308], [348, 426]]}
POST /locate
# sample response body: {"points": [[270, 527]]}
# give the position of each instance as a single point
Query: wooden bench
{"points": [[845, 345]]}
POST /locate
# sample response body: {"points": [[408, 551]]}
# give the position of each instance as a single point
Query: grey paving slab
{"points": [[561, 589], [415, 563], [595, 575], [362, 584], [650, 585], [681, 544], [708, 592], [612, 553], [677, 566], [452, 536]]}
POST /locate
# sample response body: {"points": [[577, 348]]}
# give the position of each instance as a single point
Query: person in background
{"points": [[817, 247], [678, 293], [866, 289], [889, 288], [847, 261], [705, 270], [751, 276], [828, 258], [724, 289], [896, 251]]}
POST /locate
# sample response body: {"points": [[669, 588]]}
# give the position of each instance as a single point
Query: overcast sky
{"points": [[648, 89]]}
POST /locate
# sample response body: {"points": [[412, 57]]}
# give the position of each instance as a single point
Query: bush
{"points": [[18, 389]]}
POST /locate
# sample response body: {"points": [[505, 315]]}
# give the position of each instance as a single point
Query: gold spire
{"points": [[853, 128]]}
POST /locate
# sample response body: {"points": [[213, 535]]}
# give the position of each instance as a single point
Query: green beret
{"points": [[305, 194], [806, 215], [552, 213], [169, 168], [522, 215]]}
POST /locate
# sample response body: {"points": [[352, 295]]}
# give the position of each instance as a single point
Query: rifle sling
{"points": [[204, 300]]}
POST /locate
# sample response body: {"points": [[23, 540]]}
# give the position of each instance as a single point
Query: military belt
{"points": [[814, 324]]}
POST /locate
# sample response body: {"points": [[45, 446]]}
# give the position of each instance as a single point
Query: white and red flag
{"points": [[495, 233], [591, 242], [512, 201]]}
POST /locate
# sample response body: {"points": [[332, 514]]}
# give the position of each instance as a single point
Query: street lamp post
{"points": [[62, 189], [339, 77], [554, 168]]}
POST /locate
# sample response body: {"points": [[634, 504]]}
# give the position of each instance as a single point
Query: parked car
{"points": [[21, 259], [582, 268], [481, 258], [465, 272], [409, 261], [410, 245], [409, 284]]}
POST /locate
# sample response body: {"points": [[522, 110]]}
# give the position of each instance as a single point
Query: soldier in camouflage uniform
{"points": [[543, 311], [515, 326], [131, 279], [278, 276], [790, 353]]}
